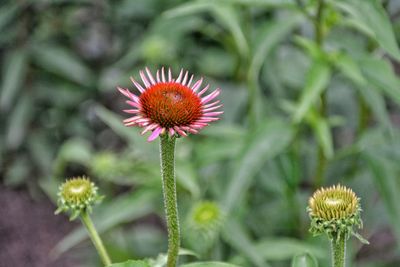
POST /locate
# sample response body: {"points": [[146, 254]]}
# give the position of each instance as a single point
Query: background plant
{"points": [[310, 95]]}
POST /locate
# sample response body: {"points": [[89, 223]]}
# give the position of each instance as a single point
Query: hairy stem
{"points": [[339, 251], [167, 148], [94, 236]]}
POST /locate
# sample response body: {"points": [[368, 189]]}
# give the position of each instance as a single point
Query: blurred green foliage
{"points": [[310, 98]]}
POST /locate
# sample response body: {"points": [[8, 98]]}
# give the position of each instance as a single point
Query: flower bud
{"points": [[77, 195]]}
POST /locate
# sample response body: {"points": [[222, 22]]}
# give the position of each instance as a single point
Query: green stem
{"points": [[87, 221], [339, 251], [167, 147]]}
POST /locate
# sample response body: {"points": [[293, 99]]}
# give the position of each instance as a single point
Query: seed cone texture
{"points": [[76, 195], [335, 211]]}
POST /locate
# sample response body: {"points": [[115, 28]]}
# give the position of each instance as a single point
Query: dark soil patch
{"points": [[29, 230]]}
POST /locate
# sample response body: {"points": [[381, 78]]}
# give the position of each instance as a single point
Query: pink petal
{"points": [[171, 132], [158, 76], [154, 134], [149, 128], [211, 104], [216, 113], [197, 84], [131, 111], [150, 76], [190, 81], [179, 131], [211, 96], [134, 104], [204, 90], [144, 79], [212, 108], [138, 86], [169, 75], [185, 78], [178, 80], [163, 75]]}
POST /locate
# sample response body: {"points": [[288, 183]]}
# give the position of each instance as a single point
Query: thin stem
{"points": [[339, 251], [167, 147], [94, 236]]}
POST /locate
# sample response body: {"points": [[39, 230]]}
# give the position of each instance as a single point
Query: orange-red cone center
{"points": [[171, 104]]}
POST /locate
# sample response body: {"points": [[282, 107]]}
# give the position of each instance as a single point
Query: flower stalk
{"points": [[339, 251], [77, 196], [167, 153], [94, 236]]}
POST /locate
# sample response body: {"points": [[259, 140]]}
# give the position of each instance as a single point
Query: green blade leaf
{"points": [[64, 63], [237, 237], [270, 139], [380, 74], [304, 260], [269, 36], [13, 78], [284, 248], [317, 81], [372, 16]]}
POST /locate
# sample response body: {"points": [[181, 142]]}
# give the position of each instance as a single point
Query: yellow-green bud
{"points": [[335, 211], [203, 224], [76, 195]]}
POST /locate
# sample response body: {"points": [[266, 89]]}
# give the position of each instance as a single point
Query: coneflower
{"points": [[170, 107]]}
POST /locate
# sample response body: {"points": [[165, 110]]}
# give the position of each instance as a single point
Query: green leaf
{"points": [[209, 264], [372, 16], [352, 70], [225, 14], [7, 13], [236, 236], [14, 76], [130, 263], [271, 138], [269, 36], [304, 260], [19, 121], [125, 208], [380, 74], [322, 131], [64, 63], [228, 17], [284, 248], [316, 82]]}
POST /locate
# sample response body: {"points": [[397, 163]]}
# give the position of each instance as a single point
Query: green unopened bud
{"points": [[76, 195], [203, 224], [335, 211]]}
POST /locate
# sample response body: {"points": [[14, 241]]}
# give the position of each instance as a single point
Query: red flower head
{"points": [[173, 106]]}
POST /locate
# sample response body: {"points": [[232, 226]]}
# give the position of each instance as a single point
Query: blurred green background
{"points": [[311, 97]]}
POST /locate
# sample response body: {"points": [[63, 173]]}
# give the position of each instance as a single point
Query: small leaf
{"points": [[322, 131], [317, 81], [304, 260], [130, 263]]}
